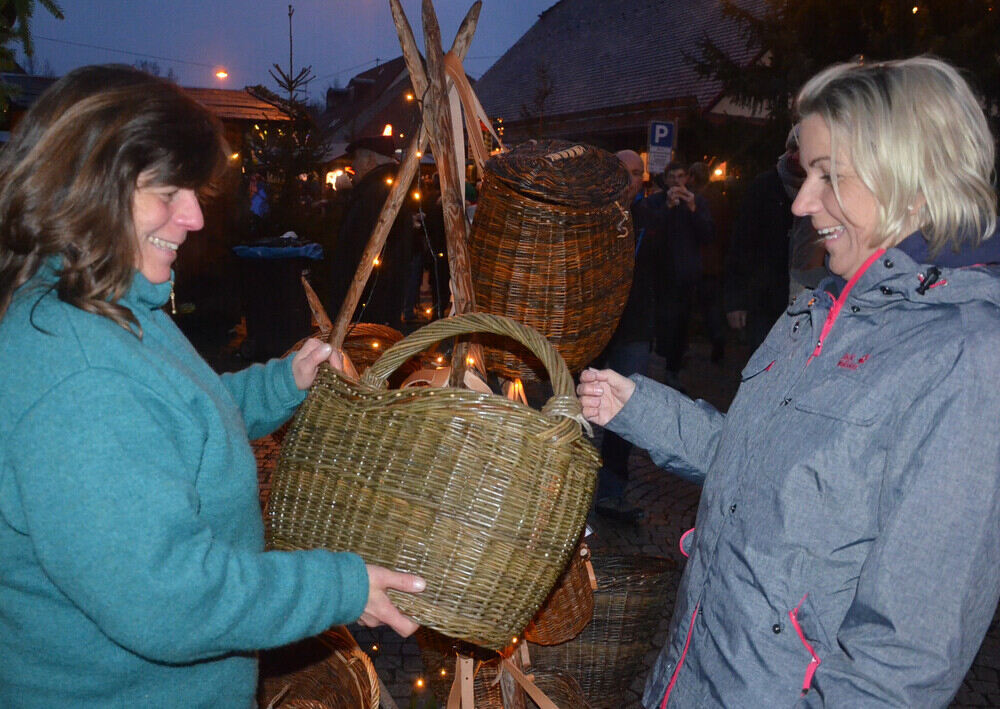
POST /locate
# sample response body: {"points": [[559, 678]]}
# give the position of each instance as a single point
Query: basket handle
{"points": [[564, 403]]}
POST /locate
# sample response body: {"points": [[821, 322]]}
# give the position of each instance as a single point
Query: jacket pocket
{"points": [[760, 362], [843, 398], [812, 636]]}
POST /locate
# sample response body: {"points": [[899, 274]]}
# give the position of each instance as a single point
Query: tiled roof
{"points": [[27, 88], [238, 105], [600, 54], [363, 93], [227, 104]]}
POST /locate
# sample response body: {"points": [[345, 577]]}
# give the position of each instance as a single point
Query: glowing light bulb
{"points": [[419, 683], [375, 345], [377, 261]]}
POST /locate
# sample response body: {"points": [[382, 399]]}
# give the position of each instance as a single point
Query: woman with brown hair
{"points": [[133, 570]]}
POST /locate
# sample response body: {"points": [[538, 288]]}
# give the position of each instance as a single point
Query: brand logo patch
{"points": [[850, 361]]}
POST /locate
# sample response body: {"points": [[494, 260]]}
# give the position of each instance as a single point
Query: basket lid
{"points": [[561, 172]]}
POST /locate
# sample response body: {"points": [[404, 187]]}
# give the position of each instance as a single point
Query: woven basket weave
{"points": [[561, 688], [569, 607], [631, 598], [328, 671], [552, 247], [482, 496]]}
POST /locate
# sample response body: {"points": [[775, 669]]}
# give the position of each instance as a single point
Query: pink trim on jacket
{"points": [[838, 303], [680, 543], [684, 652], [814, 662]]}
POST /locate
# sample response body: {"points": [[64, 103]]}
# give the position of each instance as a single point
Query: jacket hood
{"points": [[988, 251], [970, 274]]}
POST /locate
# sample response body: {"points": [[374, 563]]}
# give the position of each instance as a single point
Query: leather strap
{"points": [[462, 695]]}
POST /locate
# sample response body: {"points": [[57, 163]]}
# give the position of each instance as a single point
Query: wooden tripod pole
{"points": [[437, 122], [407, 171]]}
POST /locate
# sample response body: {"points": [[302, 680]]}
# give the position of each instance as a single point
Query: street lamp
{"points": [[221, 74]]}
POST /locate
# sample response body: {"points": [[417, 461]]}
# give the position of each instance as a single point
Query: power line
{"points": [[122, 51]]}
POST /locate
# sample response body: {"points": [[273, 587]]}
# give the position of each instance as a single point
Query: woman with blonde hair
{"points": [[133, 570], [847, 550]]}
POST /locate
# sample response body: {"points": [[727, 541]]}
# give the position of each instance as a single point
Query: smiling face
{"points": [[846, 226], [162, 216]]}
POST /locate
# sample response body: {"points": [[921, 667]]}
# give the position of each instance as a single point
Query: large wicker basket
{"points": [[482, 496], [328, 671], [631, 597], [552, 247]]}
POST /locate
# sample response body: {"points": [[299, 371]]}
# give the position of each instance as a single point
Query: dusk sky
{"points": [[339, 38]]}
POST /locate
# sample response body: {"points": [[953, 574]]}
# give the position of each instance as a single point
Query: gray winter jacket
{"points": [[847, 548]]}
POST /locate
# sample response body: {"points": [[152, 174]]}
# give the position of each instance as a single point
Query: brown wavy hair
{"points": [[68, 176]]}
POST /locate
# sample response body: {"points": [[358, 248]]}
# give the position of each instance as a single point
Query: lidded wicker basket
{"points": [[482, 496], [552, 247]]}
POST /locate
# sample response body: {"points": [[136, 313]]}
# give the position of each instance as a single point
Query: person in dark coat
{"points": [[685, 222], [382, 300], [630, 346], [768, 243]]}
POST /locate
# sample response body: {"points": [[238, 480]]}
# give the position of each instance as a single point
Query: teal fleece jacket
{"points": [[132, 562]]}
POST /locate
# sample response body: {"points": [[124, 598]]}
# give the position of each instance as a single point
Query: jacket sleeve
{"points": [[116, 523], [680, 434], [266, 395], [930, 583]]}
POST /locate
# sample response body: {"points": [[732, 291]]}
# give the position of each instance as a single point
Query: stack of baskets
{"points": [[482, 496], [630, 600], [328, 671], [552, 247]]}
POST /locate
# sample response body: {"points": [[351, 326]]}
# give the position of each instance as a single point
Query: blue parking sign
{"points": [[662, 143], [661, 134]]}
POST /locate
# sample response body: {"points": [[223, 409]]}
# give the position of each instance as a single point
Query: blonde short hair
{"points": [[912, 128]]}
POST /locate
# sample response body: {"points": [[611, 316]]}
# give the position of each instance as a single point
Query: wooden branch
{"points": [[437, 120], [463, 38], [414, 62], [400, 186]]}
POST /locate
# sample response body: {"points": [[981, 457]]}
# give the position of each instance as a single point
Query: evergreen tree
{"points": [[796, 38]]}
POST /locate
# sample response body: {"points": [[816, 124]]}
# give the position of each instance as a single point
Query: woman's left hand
{"points": [[306, 361]]}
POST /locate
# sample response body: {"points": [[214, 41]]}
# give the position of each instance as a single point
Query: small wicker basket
{"points": [[552, 247], [482, 496], [569, 607], [328, 671]]}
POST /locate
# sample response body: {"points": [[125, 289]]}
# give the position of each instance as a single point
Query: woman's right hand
{"points": [[602, 394], [379, 609]]}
